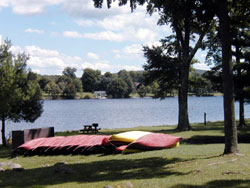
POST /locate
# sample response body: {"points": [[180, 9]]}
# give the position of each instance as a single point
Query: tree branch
{"points": [[199, 42]]}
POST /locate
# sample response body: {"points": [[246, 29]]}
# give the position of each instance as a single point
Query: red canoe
{"points": [[59, 142], [153, 141]]}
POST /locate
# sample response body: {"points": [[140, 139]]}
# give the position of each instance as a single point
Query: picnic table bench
{"points": [[91, 128]]}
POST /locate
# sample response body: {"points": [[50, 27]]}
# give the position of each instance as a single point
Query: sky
{"points": [[72, 33]]}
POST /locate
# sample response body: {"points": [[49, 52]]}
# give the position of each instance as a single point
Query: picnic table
{"points": [[91, 128]]}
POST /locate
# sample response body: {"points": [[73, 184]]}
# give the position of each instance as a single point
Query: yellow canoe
{"points": [[129, 136]]}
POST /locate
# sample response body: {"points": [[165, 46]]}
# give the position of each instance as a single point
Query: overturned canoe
{"points": [[61, 143], [126, 142], [153, 141], [127, 137]]}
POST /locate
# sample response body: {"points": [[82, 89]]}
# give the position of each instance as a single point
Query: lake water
{"points": [[122, 113]]}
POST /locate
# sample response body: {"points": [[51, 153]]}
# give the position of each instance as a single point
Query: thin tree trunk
{"points": [[240, 88], [3, 132], [183, 120], [231, 142], [242, 113]]}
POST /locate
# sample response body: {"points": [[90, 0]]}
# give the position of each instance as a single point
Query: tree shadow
{"points": [[207, 139], [197, 139], [5, 152], [108, 170], [217, 183], [197, 127]]}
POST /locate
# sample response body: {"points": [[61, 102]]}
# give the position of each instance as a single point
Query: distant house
{"points": [[100, 94]]}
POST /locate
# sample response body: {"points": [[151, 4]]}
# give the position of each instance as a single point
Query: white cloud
{"points": [[133, 51], [37, 31], [29, 6], [105, 35], [145, 35], [131, 68], [1, 40], [141, 35], [77, 8], [3, 4], [93, 56], [103, 66], [44, 61], [129, 20], [118, 23], [48, 61], [72, 34], [84, 23], [125, 26]]}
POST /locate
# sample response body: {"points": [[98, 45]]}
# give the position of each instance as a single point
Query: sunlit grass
{"points": [[189, 165]]}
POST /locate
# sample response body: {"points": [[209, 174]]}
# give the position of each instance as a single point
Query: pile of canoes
{"points": [[126, 142]]}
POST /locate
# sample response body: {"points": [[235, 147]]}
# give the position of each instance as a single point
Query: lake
{"points": [[122, 113]]}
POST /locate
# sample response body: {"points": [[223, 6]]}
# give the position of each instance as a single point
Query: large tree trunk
{"points": [[183, 120], [3, 132], [242, 113], [231, 142]]}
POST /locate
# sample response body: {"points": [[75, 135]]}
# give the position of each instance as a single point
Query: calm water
{"points": [[121, 113]]}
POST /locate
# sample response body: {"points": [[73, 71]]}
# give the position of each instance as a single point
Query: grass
{"points": [[196, 163], [79, 95]]}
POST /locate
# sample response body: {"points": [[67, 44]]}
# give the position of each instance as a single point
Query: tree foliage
{"points": [[19, 89], [229, 39], [90, 79], [190, 21], [162, 67], [125, 76], [117, 88]]}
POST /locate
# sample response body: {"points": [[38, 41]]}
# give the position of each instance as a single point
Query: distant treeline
{"points": [[123, 84]]}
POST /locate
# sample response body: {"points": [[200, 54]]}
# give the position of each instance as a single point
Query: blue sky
{"points": [[60, 33]]}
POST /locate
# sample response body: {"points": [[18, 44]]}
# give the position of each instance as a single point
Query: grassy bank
{"points": [[197, 162]]}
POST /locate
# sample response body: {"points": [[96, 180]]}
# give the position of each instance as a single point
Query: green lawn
{"points": [[197, 162]]}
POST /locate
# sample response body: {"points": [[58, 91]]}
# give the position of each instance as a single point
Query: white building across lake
{"points": [[100, 94]]}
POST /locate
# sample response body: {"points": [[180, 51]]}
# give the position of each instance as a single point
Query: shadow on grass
{"points": [[5, 152], [218, 183], [197, 139], [109, 170], [204, 140]]}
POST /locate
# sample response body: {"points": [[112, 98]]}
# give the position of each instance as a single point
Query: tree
{"points": [[125, 76], [105, 80], [43, 81], [19, 93], [161, 68], [53, 90], [77, 84], [90, 79], [67, 87], [137, 76], [240, 24], [190, 21], [199, 85], [241, 73], [70, 72], [117, 88], [231, 141], [142, 91], [233, 21]]}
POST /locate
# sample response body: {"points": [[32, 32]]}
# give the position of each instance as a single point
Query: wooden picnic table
{"points": [[90, 128]]}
